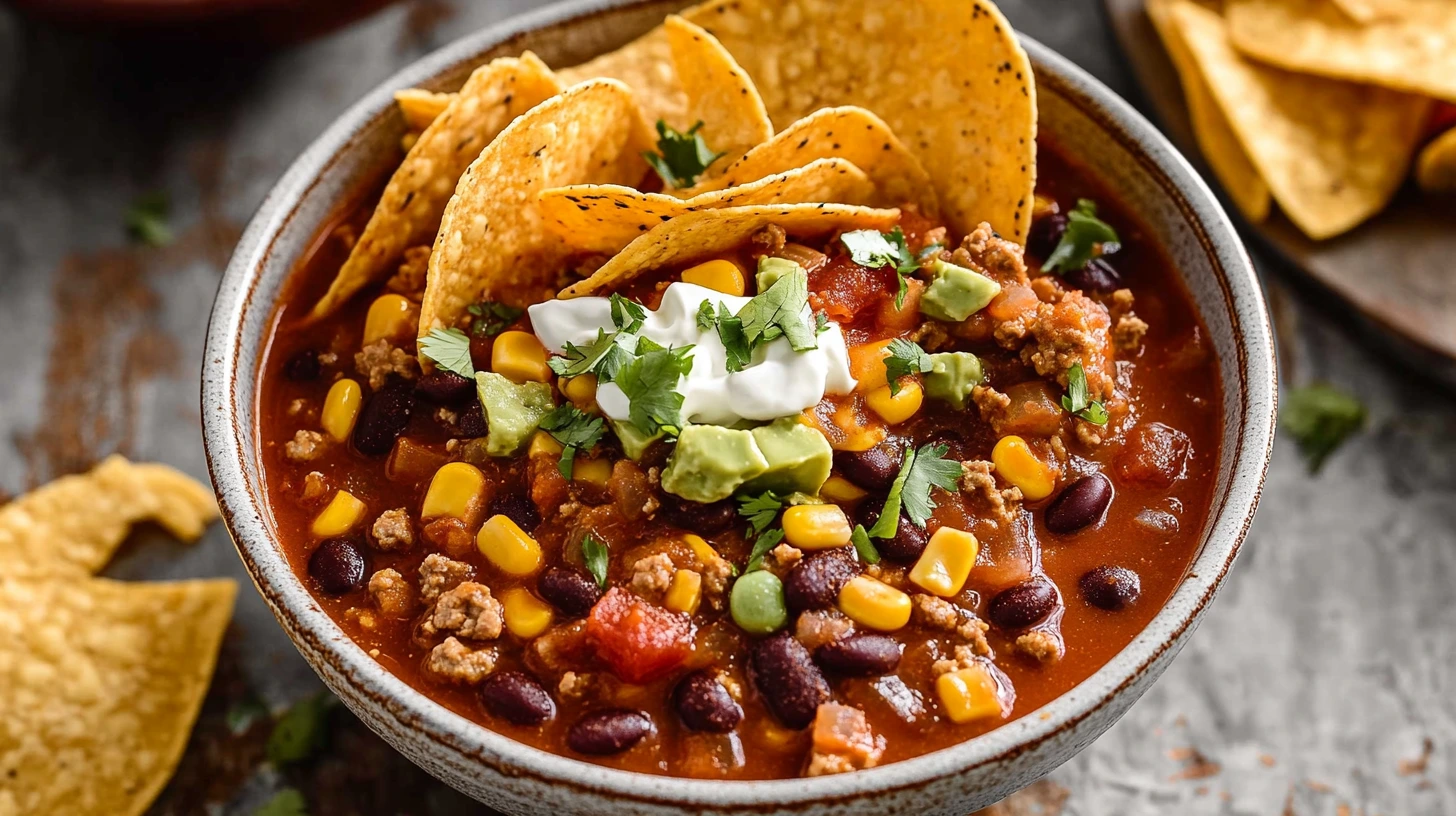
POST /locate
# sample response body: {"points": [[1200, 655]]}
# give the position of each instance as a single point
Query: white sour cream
{"points": [[778, 382]]}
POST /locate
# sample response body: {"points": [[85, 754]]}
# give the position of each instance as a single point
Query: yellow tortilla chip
{"points": [[73, 525], [493, 242], [1332, 152], [102, 681], [947, 75], [1216, 139], [1414, 52], [605, 218], [410, 208], [645, 65], [1366, 11], [420, 107], [700, 234], [720, 94], [1436, 167]]}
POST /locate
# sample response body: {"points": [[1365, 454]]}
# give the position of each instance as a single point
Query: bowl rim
{"points": [[244, 514]]}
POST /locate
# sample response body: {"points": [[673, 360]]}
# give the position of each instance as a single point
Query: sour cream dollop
{"points": [[778, 382]]}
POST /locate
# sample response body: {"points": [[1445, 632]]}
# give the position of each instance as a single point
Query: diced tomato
{"points": [[639, 641], [1034, 410], [846, 291]]}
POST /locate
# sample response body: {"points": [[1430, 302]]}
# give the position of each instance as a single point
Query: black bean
{"points": [[872, 469], [1023, 605], [785, 675], [909, 540], [519, 508], [568, 590], [608, 732], [1045, 233], [445, 387], [1111, 587], [863, 655], [1097, 276], [1082, 503], [303, 366], [472, 421], [696, 517], [517, 697], [704, 705], [337, 565], [814, 582]]}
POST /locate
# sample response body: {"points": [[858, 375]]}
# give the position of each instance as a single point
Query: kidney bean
{"points": [[303, 366], [909, 540], [704, 705], [1111, 587], [519, 508], [785, 675], [445, 387], [383, 418], [1081, 504], [608, 732], [1045, 233], [568, 590], [863, 655], [337, 565], [1097, 276], [472, 421], [814, 582], [517, 697], [696, 517], [1023, 605], [872, 469]]}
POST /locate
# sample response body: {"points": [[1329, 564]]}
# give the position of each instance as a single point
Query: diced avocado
{"points": [[799, 458], [512, 410], [634, 442], [709, 463], [952, 376], [956, 293], [770, 270]]}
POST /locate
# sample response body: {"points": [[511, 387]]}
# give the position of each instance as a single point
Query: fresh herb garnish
{"points": [[1076, 401], [779, 312], [766, 541], [627, 315], [922, 470], [681, 157], [873, 249], [146, 220], [738, 353], [821, 322], [1078, 244], [906, 357], [1320, 417], [491, 318], [760, 510], [603, 357], [302, 731], [594, 554], [862, 545], [649, 382], [575, 430], [242, 714], [450, 349], [286, 802]]}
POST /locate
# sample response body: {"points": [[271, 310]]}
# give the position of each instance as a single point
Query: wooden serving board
{"points": [[1398, 270]]}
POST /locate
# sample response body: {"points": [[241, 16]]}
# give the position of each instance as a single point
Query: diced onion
{"points": [[810, 259]]}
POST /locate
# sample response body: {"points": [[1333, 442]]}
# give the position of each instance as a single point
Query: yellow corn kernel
{"points": [[946, 563], [840, 489], [591, 471], [856, 435], [874, 604], [526, 615], [344, 511], [968, 694], [341, 408], [519, 356], [389, 316], [896, 408], [544, 444], [581, 390], [508, 546], [702, 549], [685, 592], [1018, 464], [457, 491], [722, 276], [816, 526]]}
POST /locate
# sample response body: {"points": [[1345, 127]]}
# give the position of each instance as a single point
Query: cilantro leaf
{"points": [[627, 315], [1078, 244], [905, 265], [575, 430], [594, 554], [760, 510], [735, 344], [1320, 417], [286, 802], [766, 541], [302, 731], [906, 357], [1075, 401], [821, 322], [650, 381], [707, 317], [602, 357], [491, 318], [146, 220], [864, 546], [870, 248], [929, 469], [450, 349], [681, 157], [888, 524], [778, 312]]}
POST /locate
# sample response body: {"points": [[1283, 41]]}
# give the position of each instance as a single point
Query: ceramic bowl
{"points": [[1092, 125]]}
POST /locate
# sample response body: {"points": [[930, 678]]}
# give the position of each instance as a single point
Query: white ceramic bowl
{"points": [[1088, 121]]}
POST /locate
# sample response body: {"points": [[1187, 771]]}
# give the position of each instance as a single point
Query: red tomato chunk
{"points": [[639, 641]]}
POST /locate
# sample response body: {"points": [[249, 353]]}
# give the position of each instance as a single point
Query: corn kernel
{"points": [[946, 563], [526, 615], [816, 526], [389, 316], [341, 408], [544, 444], [702, 549], [896, 408], [581, 390], [840, 489], [339, 517], [519, 357], [968, 694], [1018, 464], [874, 604], [457, 491], [867, 365], [508, 546], [592, 471], [722, 276], [857, 435], [685, 592]]}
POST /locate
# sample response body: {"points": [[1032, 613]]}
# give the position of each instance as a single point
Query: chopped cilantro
{"points": [[906, 357], [575, 430], [889, 521], [760, 510], [450, 349], [146, 220], [1320, 417], [821, 322], [491, 318], [1078, 245], [603, 357], [922, 470], [778, 312], [242, 714], [286, 802], [594, 553], [1076, 401], [707, 317], [873, 249], [681, 157], [302, 731], [735, 344], [864, 546], [649, 382], [766, 541], [627, 315]]}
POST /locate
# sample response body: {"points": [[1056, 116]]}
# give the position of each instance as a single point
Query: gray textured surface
{"points": [[1320, 680]]}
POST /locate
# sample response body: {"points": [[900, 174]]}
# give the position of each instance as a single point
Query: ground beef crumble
{"points": [[455, 661], [315, 487], [770, 240], [380, 359], [393, 531], [820, 626], [652, 575], [393, 595], [468, 610], [438, 574], [1045, 646], [842, 741], [938, 613], [305, 446], [977, 482]]}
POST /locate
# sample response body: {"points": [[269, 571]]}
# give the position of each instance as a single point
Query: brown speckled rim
{"points": [[280, 232]]}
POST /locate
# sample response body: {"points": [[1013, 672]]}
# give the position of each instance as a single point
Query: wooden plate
{"points": [[1398, 270]]}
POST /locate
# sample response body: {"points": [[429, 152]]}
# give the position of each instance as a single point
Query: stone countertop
{"points": [[1321, 682]]}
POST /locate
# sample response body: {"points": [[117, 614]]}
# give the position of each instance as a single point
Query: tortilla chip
{"points": [[1365, 11], [698, 235], [720, 94], [102, 681], [73, 525], [410, 208], [420, 107], [604, 218], [493, 242], [947, 75], [1436, 167], [1414, 52], [1332, 152], [1216, 139], [645, 65]]}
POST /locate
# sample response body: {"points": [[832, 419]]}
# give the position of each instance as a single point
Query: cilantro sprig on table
{"points": [[286, 802], [922, 470], [1320, 417], [873, 249], [761, 511], [905, 357], [1076, 401], [1079, 243], [146, 219], [576, 430], [450, 350], [681, 157]]}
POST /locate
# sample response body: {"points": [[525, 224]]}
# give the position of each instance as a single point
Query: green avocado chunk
{"points": [[709, 463], [512, 411], [956, 293], [770, 270], [799, 458], [952, 376], [634, 442]]}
